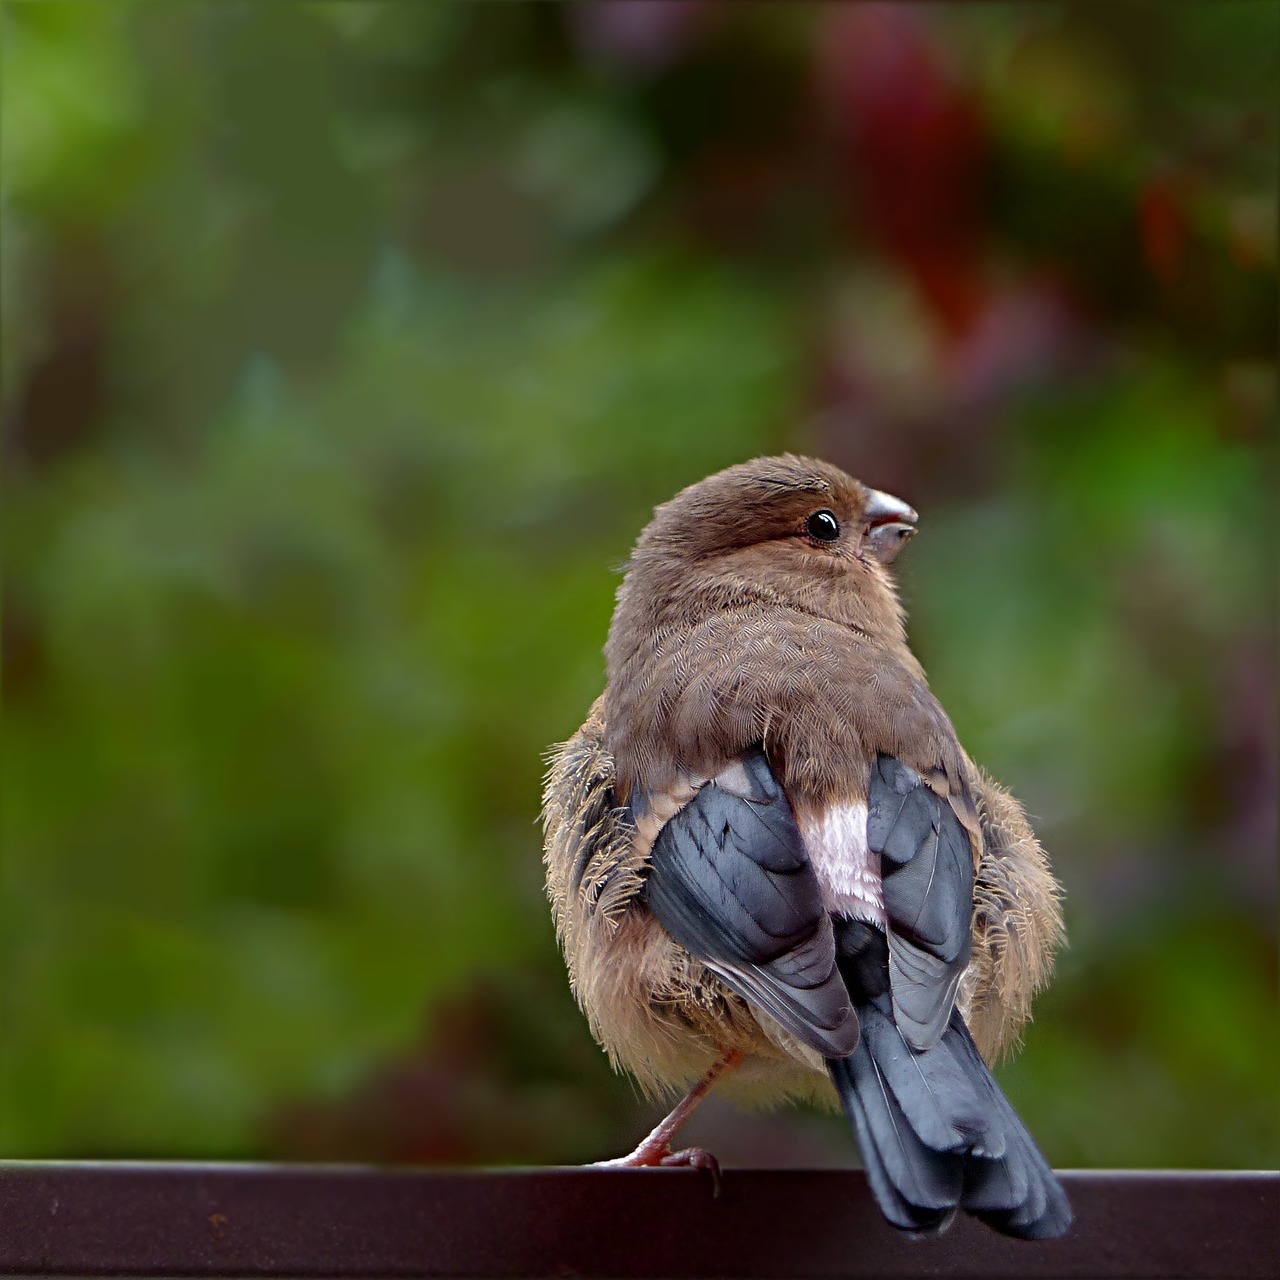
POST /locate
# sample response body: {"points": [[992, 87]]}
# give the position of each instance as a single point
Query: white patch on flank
{"points": [[849, 873]]}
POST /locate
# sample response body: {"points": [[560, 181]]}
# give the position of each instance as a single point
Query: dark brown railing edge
{"points": [[211, 1220]]}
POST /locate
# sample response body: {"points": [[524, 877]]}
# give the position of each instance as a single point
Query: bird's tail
{"points": [[937, 1134]]}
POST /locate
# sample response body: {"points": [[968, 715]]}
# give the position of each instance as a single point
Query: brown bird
{"points": [[772, 865]]}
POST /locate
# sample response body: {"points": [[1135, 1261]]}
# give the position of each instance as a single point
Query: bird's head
{"points": [[796, 530]]}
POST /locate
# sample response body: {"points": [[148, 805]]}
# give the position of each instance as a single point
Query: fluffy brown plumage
{"points": [[758, 665]]}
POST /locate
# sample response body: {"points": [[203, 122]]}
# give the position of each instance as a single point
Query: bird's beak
{"points": [[890, 524]]}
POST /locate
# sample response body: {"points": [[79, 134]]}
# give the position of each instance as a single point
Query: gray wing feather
{"points": [[927, 871], [729, 879]]}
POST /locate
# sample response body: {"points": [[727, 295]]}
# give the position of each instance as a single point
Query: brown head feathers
{"points": [[791, 530], [757, 608]]}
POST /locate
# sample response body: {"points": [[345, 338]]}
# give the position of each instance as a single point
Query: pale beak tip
{"points": [[884, 508]]}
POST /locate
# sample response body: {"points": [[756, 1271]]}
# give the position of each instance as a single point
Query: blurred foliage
{"points": [[346, 347]]}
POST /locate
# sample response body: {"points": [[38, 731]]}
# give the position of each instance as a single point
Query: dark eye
{"points": [[824, 526]]}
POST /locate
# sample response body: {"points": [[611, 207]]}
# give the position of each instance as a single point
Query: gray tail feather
{"points": [[937, 1134]]}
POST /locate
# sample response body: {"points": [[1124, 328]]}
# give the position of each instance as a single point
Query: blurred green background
{"points": [[347, 347]]}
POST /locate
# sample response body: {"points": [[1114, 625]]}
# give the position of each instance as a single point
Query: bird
{"points": [[773, 869]]}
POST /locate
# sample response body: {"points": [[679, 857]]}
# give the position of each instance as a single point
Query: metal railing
{"points": [[110, 1219]]}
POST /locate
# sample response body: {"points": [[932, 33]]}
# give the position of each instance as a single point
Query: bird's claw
{"points": [[652, 1156], [695, 1158]]}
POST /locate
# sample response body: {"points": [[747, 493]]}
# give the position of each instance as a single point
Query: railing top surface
{"points": [[210, 1220]]}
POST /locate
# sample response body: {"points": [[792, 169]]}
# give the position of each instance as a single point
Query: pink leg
{"points": [[656, 1151]]}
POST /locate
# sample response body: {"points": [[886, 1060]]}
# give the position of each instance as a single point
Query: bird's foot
{"points": [[655, 1151], [695, 1158], [652, 1154]]}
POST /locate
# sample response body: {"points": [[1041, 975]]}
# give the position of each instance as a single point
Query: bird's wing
{"points": [[729, 879], [926, 862]]}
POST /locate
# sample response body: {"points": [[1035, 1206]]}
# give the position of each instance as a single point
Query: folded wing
{"points": [[729, 879], [926, 865]]}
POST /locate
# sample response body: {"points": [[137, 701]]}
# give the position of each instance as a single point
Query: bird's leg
{"points": [[656, 1150]]}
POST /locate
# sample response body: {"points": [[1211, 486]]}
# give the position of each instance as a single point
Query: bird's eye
{"points": [[824, 526]]}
